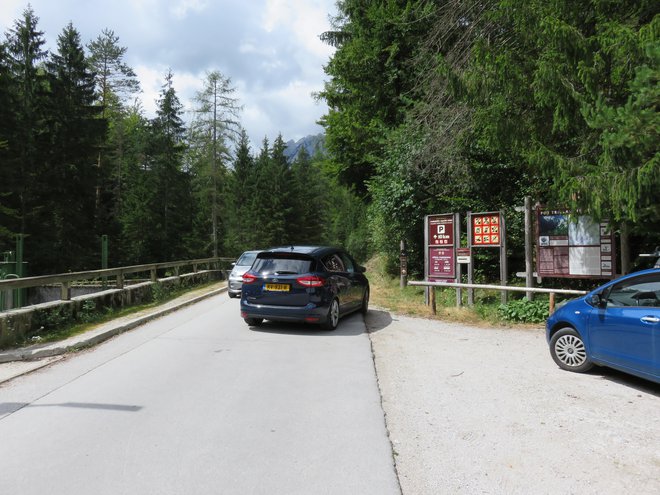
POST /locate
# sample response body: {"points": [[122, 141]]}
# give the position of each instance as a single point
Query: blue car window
{"points": [[639, 291]]}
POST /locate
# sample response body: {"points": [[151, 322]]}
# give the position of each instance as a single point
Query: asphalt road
{"points": [[196, 402]]}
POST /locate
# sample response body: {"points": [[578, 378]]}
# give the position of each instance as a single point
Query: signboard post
{"points": [[440, 250], [488, 230]]}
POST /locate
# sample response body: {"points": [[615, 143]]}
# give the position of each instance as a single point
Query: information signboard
{"points": [[573, 247], [463, 255], [486, 230], [440, 230], [441, 263], [440, 259]]}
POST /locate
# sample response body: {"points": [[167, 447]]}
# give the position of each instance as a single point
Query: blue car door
{"points": [[356, 279], [340, 280], [625, 333]]}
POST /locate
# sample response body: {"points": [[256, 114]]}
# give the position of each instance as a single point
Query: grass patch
{"points": [[487, 310]]}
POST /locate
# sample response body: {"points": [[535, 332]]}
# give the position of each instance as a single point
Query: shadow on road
{"points": [[377, 319], [627, 380], [12, 407], [350, 325]]}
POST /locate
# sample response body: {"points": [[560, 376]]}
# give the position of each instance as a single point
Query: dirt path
{"points": [[476, 410]]}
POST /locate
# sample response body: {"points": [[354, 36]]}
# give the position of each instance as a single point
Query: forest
{"points": [[471, 105], [433, 107], [79, 159]]}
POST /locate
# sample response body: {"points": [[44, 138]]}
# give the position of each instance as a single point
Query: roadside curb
{"points": [[100, 334]]}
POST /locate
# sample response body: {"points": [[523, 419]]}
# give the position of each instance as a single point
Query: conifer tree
{"points": [[75, 132], [25, 136], [214, 129], [169, 200]]}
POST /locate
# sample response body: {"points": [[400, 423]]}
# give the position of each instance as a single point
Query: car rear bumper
{"points": [[310, 313], [234, 286]]}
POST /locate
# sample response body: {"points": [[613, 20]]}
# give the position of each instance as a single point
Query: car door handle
{"points": [[650, 319]]}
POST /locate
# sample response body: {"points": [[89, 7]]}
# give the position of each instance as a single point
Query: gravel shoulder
{"points": [[485, 410]]}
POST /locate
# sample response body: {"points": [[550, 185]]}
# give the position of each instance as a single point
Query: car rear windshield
{"points": [[289, 265], [246, 259]]}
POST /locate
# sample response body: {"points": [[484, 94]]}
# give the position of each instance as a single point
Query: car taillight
{"points": [[248, 278], [311, 281]]}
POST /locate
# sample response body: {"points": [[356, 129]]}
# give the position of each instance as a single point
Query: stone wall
{"points": [[18, 326]]}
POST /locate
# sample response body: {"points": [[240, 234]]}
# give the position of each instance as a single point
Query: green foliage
{"points": [[88, 312], [524, 311], [371, 80], [588, 123], [434, 107], [160, 292]]}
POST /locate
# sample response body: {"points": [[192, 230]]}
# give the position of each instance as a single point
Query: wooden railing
{"points": [[66, 279]]}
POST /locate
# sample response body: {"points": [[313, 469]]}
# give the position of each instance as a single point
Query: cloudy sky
{"points": [[269, 48]]}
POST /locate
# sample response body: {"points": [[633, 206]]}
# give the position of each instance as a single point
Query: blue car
{"points": [[616, 325], [312, 284]]}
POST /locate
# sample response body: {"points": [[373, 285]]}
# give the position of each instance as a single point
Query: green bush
{"points": [[160, 292], [524, 311], [88, 312]]}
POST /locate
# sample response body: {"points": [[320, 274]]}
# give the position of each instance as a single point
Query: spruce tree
{"points": [[169, 199], [26, 134], [76, 132]]}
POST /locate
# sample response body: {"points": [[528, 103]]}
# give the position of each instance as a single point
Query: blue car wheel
{"points": [[569, 352]]}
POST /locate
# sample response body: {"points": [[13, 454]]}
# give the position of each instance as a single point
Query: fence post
{"points": [[529, 271], [104, 258], [65, 291], [432, 296], [120, 281], [552, 303], [403, 262]]}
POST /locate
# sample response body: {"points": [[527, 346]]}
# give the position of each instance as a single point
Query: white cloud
{"points": [[9, 10], [182, 7], [269, 48]]}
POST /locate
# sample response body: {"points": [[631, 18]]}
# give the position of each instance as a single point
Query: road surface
{"points": [[196, 402]]}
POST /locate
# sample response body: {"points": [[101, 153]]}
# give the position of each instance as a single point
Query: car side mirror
{"points": [[361, 269], [598, 301]]}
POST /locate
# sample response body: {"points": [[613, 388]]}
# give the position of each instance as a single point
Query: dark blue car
{"points": [[310, 284], [616, 325]]}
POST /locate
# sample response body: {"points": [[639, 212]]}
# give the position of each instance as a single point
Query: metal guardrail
{"points": [[499, 287], [65, 279], [514, 288]]}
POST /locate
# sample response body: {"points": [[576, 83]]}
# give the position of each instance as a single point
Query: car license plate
{"points": [[277, 287]]}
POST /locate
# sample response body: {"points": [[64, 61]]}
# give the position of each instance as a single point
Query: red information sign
{"points": [[441, 230], [441, 263], [486, 230]]}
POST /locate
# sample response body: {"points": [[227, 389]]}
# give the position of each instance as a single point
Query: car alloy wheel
{"points": [[333, 316], [568, 351]]}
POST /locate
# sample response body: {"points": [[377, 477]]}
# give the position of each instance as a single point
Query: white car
{"points": [[242, 265]]}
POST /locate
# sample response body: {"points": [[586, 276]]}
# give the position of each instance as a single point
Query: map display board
{"points": [[573, 246], [440, 259]]}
